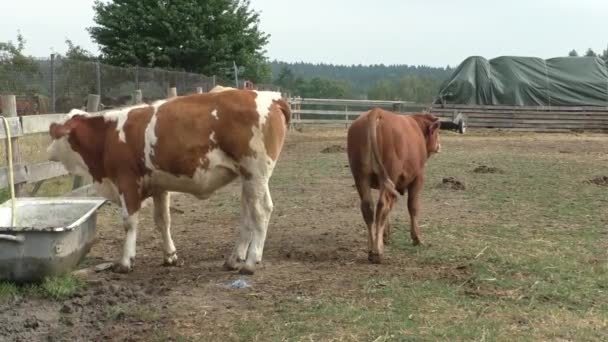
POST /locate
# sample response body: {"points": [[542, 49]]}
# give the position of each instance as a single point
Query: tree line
{"points": [[590, 53], [377, 82]]}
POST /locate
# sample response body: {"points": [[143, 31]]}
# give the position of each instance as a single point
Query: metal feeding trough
{"points": [[50, 237]]}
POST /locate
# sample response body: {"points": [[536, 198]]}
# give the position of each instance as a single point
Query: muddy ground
{"points": [[316, 245]]}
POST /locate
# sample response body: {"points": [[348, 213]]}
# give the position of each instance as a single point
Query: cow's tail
{"points": [[285, 109], [384, 181]]}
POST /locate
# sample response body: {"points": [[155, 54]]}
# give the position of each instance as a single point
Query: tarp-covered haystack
{"points": [[527, 81]]}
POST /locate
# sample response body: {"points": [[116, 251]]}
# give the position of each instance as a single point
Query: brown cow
{"points": [[388, 152], [192, 144]]}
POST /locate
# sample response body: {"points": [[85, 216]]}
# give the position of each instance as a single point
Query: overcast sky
{"points": [[429, 32]]}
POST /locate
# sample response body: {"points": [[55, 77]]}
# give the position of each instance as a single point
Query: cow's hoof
{"points": [[416, 242], [247, 270], [375, 258], [120, 268], [171, 260], [230, 266]]}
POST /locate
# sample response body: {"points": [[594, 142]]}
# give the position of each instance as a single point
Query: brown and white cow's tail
{"points": [[384, 182], [285, 109]]}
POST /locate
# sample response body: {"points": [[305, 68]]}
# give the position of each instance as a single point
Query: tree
{"points": [[590, 53], [77, 52], [204, 36], [286, 79], [573, 53], [16, 68]]}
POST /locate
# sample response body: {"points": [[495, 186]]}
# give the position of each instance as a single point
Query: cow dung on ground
{"points": [[487, 169], [451, 183], [333, 149], [601, 181]]}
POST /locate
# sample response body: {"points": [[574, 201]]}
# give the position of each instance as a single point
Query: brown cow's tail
{"points": [[377, 165], [285, 109]]}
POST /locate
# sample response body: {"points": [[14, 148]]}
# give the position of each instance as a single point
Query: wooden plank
{"points": [[9, 110], [536, 125], [533, 108], [349, 102], [44, 171], [20, 175], [311, 121], [540, 121], [15, 126], [327, 112], [33, 124], [539, 113]]}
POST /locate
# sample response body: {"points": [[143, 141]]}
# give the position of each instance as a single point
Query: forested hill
{"points": [[366, 81]]}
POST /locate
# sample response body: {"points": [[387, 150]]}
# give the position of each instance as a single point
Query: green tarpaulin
{"points": [[527, 81]]}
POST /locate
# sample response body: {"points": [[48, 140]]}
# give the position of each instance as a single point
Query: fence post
{"points": [[98, 77], [52, 83], [137, 77], [93, 103], [137, 97], [346, 114], [213, 82], [9, 110], [199, 90], [171, 92]]}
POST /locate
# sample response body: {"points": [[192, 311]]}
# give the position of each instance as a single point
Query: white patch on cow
{"points": [[212, 137], [221, 170], [120, 116], [214, 114], [61, 151], [130, 223], [150, 138], [263, 102]]}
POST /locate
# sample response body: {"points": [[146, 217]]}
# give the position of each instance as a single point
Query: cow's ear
{"points": [[434, 126], [58, 130]]}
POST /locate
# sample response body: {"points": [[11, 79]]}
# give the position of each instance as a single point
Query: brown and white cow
{"points": [[192, 144], [388, 152]]}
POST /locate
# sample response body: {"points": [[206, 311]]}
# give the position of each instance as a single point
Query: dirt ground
{"points": [[316, 246]]}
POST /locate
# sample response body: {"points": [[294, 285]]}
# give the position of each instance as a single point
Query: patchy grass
{"points": [[60, 288], [519, 255], [55, 288], [8, 290]]}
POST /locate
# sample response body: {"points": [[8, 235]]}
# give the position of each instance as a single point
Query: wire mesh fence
{"points": [[56, 85]]}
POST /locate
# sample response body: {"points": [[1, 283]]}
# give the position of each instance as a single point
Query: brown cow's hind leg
{"points": [[367, 211], [413, 206], [386, 201]]}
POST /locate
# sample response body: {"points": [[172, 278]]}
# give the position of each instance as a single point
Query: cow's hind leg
{"points": [[240, 249], [386, 201], [162, 219], [130, 203], [259, 208], [367, 211], [413, 206]]}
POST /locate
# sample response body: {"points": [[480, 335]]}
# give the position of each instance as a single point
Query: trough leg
{"points": [[413, 206], [162, 219], [259, 208]]}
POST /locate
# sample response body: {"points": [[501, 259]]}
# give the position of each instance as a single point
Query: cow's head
{"points": [[66, 137], [431, 133]]}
